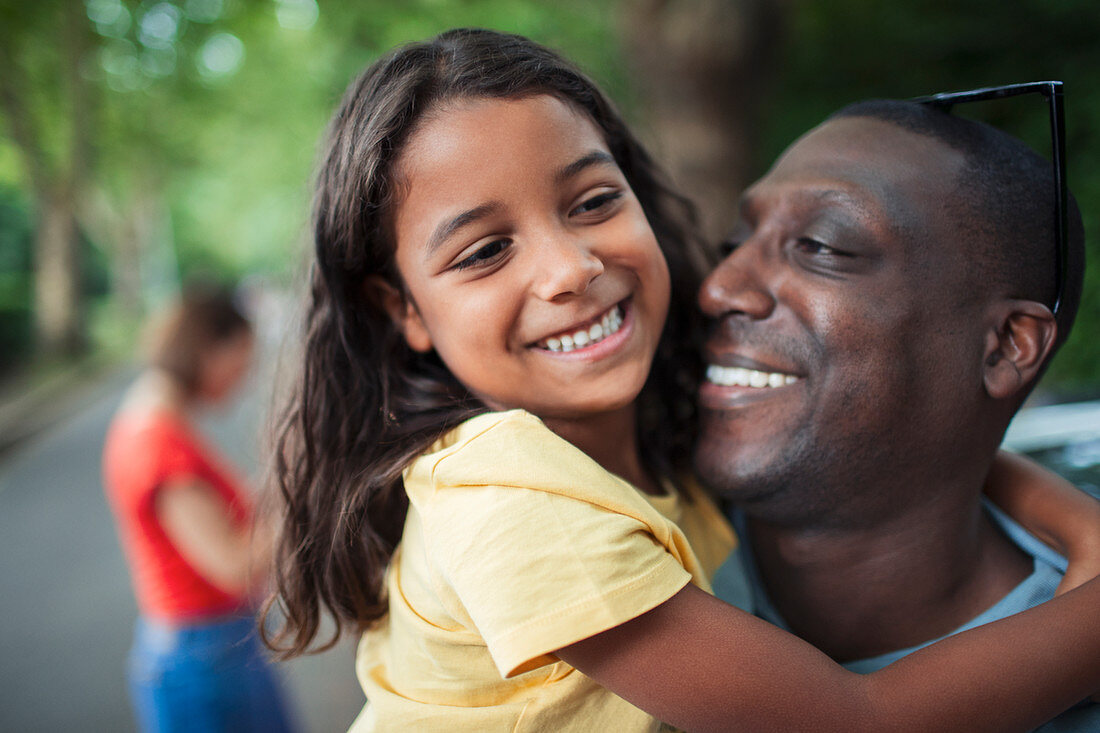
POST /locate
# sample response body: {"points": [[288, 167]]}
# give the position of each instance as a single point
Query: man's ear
{"points": [[1017, 346], [401, 310]]}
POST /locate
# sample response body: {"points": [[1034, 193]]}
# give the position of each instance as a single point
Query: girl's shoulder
{"points": [[511, 449], [705, 524], [488, 426], [147, 436]]}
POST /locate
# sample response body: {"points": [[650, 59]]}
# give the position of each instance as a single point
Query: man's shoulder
{"points": [[1037, 588], [1082, 718], [738, 582], [1023, 539]]}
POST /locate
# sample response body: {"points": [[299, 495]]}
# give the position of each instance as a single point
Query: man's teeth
{"points": [[611, 322], [740, 377]]}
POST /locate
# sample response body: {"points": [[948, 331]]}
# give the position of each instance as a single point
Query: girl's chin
{"points": [[585, 410], [611, 392]]}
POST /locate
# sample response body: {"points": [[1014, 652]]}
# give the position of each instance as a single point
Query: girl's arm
{"points": [[1052, 509], [701, 664], [196, 520]]}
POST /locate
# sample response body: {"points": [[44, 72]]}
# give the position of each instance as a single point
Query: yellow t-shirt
{"points": [[518, 544]]}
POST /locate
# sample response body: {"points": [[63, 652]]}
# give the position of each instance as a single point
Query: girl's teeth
{"points": [[739, 377], [609, 324]]}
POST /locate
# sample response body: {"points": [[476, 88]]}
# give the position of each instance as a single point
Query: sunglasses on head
{"points": [[1052, 90]]}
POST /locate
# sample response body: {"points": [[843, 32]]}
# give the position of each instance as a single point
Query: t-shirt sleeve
{"points": [[539, 566], [176, 458]]}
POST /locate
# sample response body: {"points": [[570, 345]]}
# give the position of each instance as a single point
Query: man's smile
{"points": [[742, 377], [734, 379]]}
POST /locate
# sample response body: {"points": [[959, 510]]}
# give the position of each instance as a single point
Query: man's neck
{"points": [[857, 593]]}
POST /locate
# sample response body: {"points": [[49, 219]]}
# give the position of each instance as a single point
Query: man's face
{"points": [[844, 352]]}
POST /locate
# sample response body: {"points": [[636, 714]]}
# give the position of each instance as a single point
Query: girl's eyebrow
{"points": [[449, 227], [596, 157]]}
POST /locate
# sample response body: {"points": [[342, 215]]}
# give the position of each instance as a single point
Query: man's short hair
{"points": [[1004, 201]]}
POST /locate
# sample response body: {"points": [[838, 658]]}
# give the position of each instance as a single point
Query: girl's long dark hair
{"points": [[365, 405]]}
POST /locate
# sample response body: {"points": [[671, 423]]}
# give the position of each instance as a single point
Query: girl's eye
{"points": [[484, 255], [596, 202]]}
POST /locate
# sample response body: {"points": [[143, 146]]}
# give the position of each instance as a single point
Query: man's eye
{"points": [[596, 202], [484, 255], [814, 247]]}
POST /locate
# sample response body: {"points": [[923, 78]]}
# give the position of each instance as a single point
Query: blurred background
{"points": [[144, 143]]}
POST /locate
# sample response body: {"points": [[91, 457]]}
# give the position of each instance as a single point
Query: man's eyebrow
{"points": [[450, 226], [865, 205], [835, 194], [823, 195], [596, 157]]}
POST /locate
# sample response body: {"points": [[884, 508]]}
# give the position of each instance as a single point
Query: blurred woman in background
{"points": [[187, 528]]}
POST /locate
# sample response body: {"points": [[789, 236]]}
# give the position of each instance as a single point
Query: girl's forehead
{"points": [[493, 160], [527, 125], [488, 148]]}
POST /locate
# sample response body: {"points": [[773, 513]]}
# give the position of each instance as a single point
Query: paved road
{"points": [[66, 605]]}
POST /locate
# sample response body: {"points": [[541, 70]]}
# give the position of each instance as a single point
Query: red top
{"points": [[143, 453]]}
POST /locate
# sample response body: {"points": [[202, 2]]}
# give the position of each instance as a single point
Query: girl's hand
{"points": [[1053, 510], [1081, 569]]}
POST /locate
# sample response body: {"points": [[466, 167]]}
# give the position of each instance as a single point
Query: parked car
{"points": [[1065, 438]]}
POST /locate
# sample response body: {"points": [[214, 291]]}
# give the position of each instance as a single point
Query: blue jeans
{"points": [[206, 678]]}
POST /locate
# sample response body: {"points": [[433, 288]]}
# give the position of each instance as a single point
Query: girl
{"points": [[493, 245], [186, 525]]}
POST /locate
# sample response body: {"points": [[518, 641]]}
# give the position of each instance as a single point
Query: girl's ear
{"points": [[1017, 346], [401, 310]]}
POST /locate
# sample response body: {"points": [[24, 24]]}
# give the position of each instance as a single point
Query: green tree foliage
{"points": [[205, 114], [205, 117], [15, 277]]}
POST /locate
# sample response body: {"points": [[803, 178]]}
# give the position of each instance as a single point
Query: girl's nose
{"points": [[738, 286], [567, 268]]}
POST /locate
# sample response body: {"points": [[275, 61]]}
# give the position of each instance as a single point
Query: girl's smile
{"points": [[587, 334], [528, 263]]}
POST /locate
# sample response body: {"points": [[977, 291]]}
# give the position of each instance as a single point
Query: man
{"points": [[883, 310]]}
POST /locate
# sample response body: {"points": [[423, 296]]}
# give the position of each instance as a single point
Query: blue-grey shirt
{"points": [[738, 582]]}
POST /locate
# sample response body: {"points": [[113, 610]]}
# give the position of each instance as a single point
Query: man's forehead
{"points": [[869, 160]]}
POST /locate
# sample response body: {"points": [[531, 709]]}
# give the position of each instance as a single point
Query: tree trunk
{"points": [[703, 68], [58, 320], [126, 229]]}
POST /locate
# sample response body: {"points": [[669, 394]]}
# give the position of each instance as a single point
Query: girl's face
{"points": [[224, 365], [528, 262]]}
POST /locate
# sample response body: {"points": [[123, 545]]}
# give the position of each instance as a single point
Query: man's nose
{"points": [[567, 265], [738, 285]]}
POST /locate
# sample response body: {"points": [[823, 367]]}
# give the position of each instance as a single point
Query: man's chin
{"points": [[764, 495], [761, 472], [732, 471], [735, 455]]}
